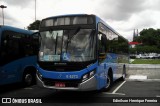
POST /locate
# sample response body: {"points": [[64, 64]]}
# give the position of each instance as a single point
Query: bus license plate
{"points": [[60, 84]]}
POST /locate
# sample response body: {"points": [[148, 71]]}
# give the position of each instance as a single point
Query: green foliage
{"points": [[132, 50], [150, 39], [147, 49], [34, 25], [146, 61]]}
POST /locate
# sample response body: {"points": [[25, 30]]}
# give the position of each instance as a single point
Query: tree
{"points": [[34, 25], [148, 36], [150, 39]]}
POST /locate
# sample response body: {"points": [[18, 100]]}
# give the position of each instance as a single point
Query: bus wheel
{"points": [[28, 78], [123, 74], [109, 82]]}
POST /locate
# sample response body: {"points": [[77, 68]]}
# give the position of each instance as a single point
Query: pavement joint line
{"points": [[118, 87]]}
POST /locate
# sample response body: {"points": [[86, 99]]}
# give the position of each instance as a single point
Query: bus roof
{"points": [[4, 28], [98, 19], [67, 15]]}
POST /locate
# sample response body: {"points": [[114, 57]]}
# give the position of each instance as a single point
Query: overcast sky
{"points": [[122, 15]]}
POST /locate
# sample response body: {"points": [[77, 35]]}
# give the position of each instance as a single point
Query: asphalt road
{"points": [[126, 90], [121, 91]]}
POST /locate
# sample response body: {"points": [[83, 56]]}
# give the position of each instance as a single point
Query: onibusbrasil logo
{"points": [[20, 100]]}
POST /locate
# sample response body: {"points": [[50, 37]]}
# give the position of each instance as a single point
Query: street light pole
{"points": [[2, 6], [35, 9]]}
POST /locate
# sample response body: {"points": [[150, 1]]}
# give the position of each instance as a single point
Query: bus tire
{"points": [[123, 74], [29, 78], [109, 81]]}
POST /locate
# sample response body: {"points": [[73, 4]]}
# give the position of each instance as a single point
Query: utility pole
{"points": [[35, 9], [2, 6]]}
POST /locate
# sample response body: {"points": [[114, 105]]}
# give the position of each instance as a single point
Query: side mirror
{"points": [[36, 39], [104, 40], [36, 36], [102, 55]]}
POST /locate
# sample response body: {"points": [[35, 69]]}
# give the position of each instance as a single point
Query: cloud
{"points": [[119, 9], [122, 15], [126, 15], [153, 5], [18, 12], [21, 3], [8, 18], [140, 21], [143, 20], [60, 7]]}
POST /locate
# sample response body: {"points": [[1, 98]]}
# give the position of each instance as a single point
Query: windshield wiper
{"points": [[56, 43], [76, 31], [72, 35]]}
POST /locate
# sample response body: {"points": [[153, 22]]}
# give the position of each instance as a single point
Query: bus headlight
{"points": [[88, 75], [85, 77], [92, 73]]}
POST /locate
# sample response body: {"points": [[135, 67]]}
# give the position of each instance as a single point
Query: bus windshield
{"points": [[74, 45]]}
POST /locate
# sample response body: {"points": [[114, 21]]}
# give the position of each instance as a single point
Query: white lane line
{"points": [[138, 77], [158, 96], [28, 88], [113, 93], [118, 87], [145, 80]]}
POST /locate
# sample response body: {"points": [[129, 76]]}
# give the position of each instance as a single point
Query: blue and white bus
{"points": [[18, 49], [80, 52]]}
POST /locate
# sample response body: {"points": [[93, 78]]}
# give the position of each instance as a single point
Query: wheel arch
{"points": [[110, 72], [29, 69]]}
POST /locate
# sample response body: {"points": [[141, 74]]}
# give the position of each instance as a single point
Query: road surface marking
{"points": [[158, 96], [138, 77], [28, 88], [113, 93], [146, 80], [118, 87]]}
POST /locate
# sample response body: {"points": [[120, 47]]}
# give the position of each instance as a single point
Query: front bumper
{"points": [[88, 85]]}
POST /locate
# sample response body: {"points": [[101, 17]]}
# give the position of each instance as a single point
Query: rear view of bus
{"points": [[69, 55]]}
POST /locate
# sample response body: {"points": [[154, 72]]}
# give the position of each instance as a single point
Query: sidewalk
{"points": [[152, 71], [144, 66]]}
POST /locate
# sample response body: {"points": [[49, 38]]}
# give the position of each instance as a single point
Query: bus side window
{"points": [[27, 45], [30, 45], [36, 43], [3, 51], [10, 47]]}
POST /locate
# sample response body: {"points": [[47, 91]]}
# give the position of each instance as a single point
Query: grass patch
{"points": [[146, 61]]}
